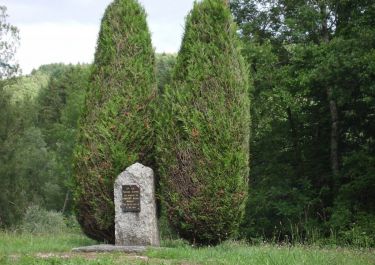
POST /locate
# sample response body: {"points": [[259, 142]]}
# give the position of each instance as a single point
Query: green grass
{"points": [[21, 243], [234, 253], [26, 249]]}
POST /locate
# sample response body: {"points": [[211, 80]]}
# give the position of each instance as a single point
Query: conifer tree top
{"points": [[210, 33]]}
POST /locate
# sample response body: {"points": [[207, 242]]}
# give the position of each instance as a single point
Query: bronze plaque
{"points": [[131, 198]]}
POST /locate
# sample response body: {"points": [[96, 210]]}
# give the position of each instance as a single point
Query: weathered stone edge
{"points": [[111, 248]]}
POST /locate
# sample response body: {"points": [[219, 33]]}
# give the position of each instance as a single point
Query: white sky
{"points": [[65, 31]]}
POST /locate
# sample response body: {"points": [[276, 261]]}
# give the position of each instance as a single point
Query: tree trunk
{"points": [[332, 107], [334, 133], [296, 145], [65, 202]]}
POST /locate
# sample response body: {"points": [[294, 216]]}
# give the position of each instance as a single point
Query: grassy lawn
{"points": [[15, 243], [21, 249]]}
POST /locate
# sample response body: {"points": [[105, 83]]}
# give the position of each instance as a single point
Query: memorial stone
{"points": [[135, 207]]}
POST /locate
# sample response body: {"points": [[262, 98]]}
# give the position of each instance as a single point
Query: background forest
{"points": [[312, 150]]}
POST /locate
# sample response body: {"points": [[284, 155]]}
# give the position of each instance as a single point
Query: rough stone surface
{"points": [[110, 248], [136, 228]]}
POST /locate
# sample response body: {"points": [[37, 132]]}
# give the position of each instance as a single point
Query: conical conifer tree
{"points": [[203, 129], [115, 129]]}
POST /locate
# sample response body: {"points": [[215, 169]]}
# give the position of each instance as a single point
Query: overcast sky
{"points": [[54, 31]]}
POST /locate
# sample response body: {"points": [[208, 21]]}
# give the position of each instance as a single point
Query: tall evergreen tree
{"points": [[116, 128], [203, 129]]}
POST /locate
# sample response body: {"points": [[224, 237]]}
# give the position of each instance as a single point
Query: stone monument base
{"points": [[110, 248]]}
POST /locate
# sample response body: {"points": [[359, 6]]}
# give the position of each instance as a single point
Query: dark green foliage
{"points": [[35, 150], [116, 127], [164, 66], [298, 51], [60, 106], [203, 129], [24, 160]]}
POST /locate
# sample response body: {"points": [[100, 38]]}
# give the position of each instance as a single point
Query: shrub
{"points": [[40, 221], [115, 129], [203, 129]]}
